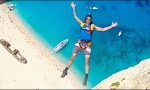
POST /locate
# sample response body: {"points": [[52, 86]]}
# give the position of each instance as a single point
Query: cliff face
{"points": [[137, 77]]}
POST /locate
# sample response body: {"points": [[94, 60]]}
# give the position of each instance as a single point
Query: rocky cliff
{"points": [[137, 77]]}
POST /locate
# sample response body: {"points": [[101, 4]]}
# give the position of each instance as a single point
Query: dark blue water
{"points": [[53, 21]]}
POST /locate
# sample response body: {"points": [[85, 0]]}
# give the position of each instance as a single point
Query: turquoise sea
{"points": [[53, 22]]}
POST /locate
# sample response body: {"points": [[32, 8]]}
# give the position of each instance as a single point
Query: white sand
{"points": [[42, 69]]}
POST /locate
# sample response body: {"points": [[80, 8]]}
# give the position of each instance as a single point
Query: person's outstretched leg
{"points": [[87, 57], [87, 53], [71, 60], [68, 65], [76, 50]]}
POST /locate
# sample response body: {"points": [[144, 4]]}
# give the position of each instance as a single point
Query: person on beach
{"points": [[84, 41]]}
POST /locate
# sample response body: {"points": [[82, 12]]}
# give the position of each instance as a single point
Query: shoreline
{"points": [[40, 47]]}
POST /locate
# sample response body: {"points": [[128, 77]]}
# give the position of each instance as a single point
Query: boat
{"points": [[11, 7], [14, 52], [119, 34], [60, 45], [94, 8]]}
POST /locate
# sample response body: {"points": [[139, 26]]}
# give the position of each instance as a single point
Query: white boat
{"points": [[60, 45], [119, 34], [11, 7], [94, 8]]}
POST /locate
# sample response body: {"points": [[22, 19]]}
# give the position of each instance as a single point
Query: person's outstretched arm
{"points": [[106, 28], [74, 13]]}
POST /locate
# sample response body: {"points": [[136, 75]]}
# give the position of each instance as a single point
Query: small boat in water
{"points": [[120, 32], [11, 7], [60, 45], [94, 8]]}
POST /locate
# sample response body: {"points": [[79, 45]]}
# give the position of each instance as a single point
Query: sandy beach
{"points": [[42, 70]]}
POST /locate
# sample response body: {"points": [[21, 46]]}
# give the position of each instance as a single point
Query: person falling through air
{"points": [[84, 42]]}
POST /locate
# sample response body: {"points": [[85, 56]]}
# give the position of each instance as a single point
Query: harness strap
{"points": [[91, 26], [89, 43]]}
